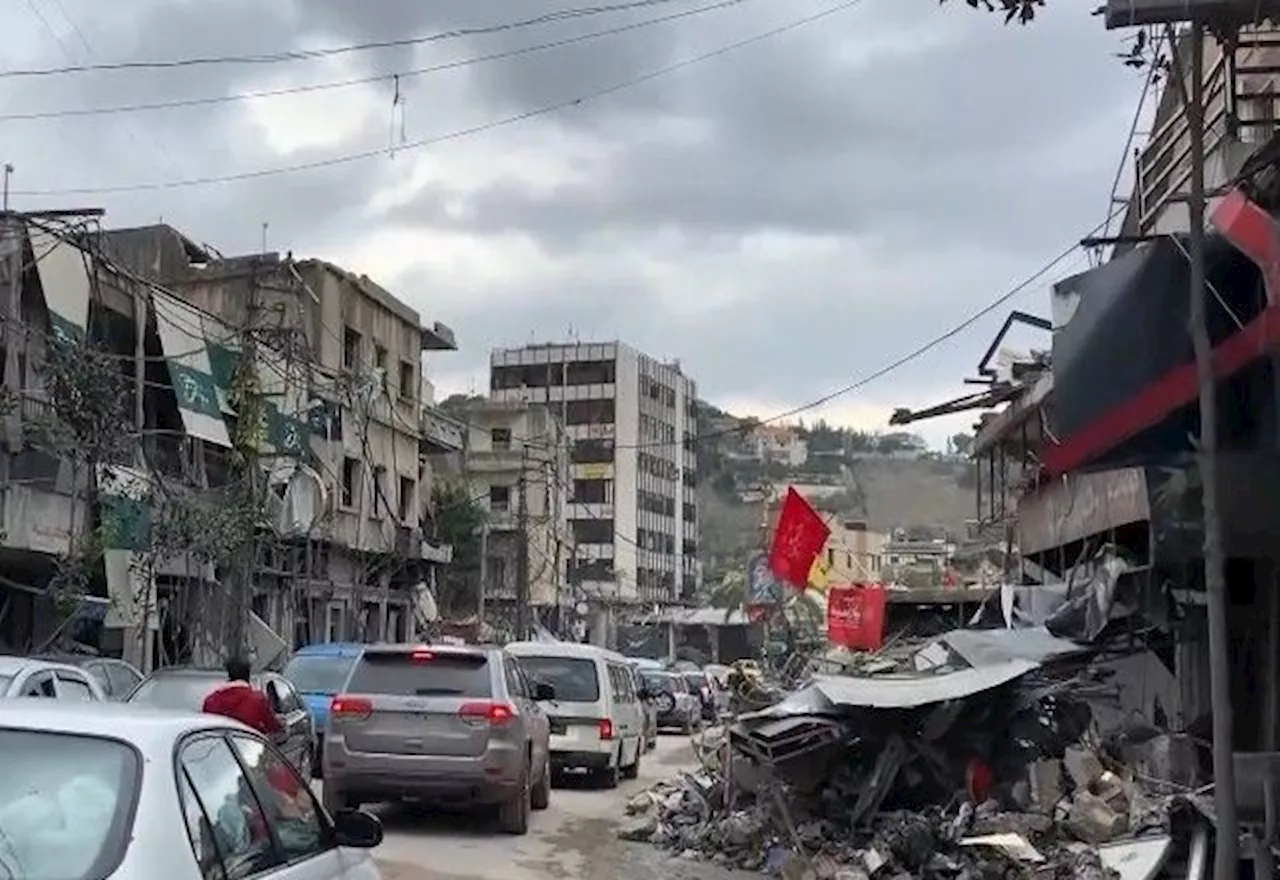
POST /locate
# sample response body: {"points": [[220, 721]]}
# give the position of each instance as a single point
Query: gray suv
{"points": [[450, 725]]}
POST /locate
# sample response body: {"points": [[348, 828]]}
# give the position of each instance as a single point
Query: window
{"points": [[500, 439], [590, 412], [350, 481], [407, 496], [200, 832], [394, 673], [313, 674], [575, 679], [73, 687], [65, 804], [380, 360], [40, 685], [592, 491], [179, 690], [350, 348], [290, 808], [500, 498], [593, 452], [233, 816], [122, 678], [515, 685], [407, 383], [380, 502], [593, 531], [495, 574]]}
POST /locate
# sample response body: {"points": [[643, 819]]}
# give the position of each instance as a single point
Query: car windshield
{"points": [[574, 678], [315, 674], [660, 681], [175, 691], [65, 803], [430, 674]]}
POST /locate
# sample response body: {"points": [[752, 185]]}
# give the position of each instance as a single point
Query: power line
{"points": [[334, 51], [905, 359], [362, 80], [543, 110]]}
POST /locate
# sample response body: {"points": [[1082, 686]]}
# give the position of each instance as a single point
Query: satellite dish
{"points": [[581, 608]]}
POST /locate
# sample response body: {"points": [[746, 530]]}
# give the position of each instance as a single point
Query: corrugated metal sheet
{"points": [[908, 691]]}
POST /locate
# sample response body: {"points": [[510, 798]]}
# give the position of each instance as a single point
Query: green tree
{"points": [[458, 519], [1021, 11], [962, 444]]}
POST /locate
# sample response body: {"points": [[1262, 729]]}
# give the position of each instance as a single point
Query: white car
{"points": [[119, 791], [597, 716], [35, 677]]}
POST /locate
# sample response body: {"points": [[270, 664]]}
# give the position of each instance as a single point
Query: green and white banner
{"points": [[185, 341], [66, 280], [126, 530]]}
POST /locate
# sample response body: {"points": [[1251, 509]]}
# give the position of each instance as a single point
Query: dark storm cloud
{"points": [[981, 141]]}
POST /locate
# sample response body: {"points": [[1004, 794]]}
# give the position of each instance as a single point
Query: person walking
{"points": [[240, 700]]}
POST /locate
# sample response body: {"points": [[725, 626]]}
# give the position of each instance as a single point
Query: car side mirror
{"points": [[273, 700], [543, 692], [356, 828]]}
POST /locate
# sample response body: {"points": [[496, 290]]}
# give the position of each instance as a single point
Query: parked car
{"points": [[215, 800], [597, 716], [116, 677], [37, 677], [449, 724], [676, 706], [703, 686], [649, 706], [317, 673], [183, 688]]}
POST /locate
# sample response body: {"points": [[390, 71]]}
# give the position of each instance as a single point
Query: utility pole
{"points": [[484, 572], [1226, 855], [522, 547], [8, 172], [241, 587], [1189, 75]]}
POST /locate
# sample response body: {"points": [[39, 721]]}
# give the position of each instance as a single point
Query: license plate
{"points": [[559, 727]]}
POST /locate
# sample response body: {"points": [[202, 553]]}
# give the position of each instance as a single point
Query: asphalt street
{"points": [[575, 838]]}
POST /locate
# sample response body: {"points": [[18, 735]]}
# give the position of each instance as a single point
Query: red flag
{"points": [[797, 541], [855, 617]]}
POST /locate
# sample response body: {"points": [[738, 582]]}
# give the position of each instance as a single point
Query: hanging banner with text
{"points": [[855, 617]]}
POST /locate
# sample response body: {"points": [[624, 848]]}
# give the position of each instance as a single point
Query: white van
{"points": [[597, 717]]}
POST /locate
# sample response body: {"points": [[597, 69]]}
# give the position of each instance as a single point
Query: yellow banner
{"points": [[819, 572]]}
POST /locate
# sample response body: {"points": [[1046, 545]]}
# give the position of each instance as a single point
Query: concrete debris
{"points": [[1010, 778]]}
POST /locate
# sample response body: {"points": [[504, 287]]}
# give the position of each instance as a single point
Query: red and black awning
{"points": [[1123, 364]]}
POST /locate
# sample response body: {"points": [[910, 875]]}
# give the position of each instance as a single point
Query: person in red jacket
{"points": [[242, 701]]}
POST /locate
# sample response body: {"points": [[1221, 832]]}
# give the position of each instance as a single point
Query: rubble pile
{"points": [[963, 766]]}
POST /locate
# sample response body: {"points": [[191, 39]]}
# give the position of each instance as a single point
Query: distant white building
{"points": [[633, 504], [778, 443]]}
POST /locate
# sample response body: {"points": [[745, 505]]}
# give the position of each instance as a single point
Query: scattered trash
{"points": [[975, 755]]}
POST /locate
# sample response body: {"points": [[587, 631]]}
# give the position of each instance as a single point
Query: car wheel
{"points": [[633, 772], [513, 816], [540, 799], [610, 775]]}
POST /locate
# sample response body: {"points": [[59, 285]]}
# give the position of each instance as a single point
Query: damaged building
{"points": [[328, 366]]}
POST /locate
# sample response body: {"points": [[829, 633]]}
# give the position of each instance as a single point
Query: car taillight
{"points": [[487, 713], [606, 728], [350, 707], [422, 656]]}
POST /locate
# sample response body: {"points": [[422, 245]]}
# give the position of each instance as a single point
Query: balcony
{"points": [[439, 337], [442, 434]]}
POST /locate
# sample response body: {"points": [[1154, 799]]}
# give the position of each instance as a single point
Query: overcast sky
{"points": [[784, 218]]}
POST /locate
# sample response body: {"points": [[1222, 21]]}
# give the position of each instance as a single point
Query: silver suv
{"points": [[450, 725]]}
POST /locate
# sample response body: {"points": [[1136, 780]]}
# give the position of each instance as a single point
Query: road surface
{"points": [[574, 840]]}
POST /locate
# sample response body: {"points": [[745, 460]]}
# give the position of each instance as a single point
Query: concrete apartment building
{"points": [[516, 462], [633, 506], [341, 361]]}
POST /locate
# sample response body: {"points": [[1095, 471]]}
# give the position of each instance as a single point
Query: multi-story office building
{"points": [[633, 504]]}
